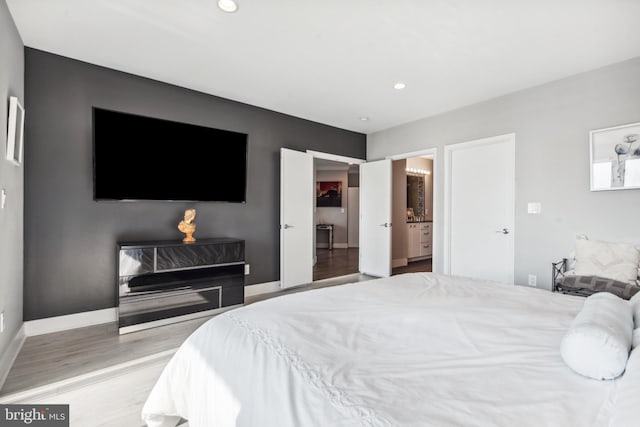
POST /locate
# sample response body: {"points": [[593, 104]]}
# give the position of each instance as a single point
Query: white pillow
{"points": [[634, 303], [635, 339], [627, 398], [597, 343], [618, 261]]}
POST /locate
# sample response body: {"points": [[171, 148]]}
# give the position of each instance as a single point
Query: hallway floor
{"points": [[335, 262], [340, 262], [414, 267]]}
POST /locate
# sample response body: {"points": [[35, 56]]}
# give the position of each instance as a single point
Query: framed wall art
{"points": [[329, 193], [15, 131], [615, 158]]}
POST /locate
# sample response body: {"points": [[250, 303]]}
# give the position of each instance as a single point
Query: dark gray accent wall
{"points": [[70, 239], [12, 181]]}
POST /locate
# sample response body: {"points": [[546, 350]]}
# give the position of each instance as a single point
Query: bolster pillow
{"points": [[634, 302], [598, 342]]}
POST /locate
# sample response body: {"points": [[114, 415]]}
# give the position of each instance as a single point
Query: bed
{"points": [[417, 349]]}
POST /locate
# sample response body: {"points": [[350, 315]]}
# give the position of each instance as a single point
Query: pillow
{"points": [[592, 284], [635, 338], [618, 261], [634, 303], [571, 261], [597, 343], [626, 397]]}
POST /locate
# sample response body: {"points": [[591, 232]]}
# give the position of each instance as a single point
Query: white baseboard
{"points": [[69, 321], [107, 315], [10, 354], [261, 288], [400, 262]]}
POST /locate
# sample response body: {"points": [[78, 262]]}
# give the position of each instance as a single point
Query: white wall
{"points": [[428, 190], [12, 180], [552, 124]]}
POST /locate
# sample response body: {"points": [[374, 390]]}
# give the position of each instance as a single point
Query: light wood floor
{"points": [[50, 358], [57, 356], [115, 401], [338, 262]]}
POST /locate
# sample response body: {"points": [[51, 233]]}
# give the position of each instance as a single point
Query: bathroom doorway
{"points": [[412, 214]]}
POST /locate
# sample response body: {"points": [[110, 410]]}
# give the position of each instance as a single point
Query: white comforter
{"points": [[417, 349]]}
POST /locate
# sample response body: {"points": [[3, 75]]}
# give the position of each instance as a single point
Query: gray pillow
{"points": [[593, 284]]}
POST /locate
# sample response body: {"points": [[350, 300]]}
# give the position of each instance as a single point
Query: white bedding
{"points": [[417, 349]]}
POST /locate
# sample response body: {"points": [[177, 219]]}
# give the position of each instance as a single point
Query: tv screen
{"points": [[143, 158]]}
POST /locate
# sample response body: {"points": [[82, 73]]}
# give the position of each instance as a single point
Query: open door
{"points": [[375, 218], [296, 218]]}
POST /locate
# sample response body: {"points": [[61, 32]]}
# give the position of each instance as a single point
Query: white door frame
{"points": [[335, 157], [448, 151], [436, 255]]}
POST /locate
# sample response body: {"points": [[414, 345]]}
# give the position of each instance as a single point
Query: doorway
{"points": [[336, 218], [298, 225], [412, 214]]}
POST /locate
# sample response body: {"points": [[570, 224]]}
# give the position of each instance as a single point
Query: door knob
{"points": [[503, 231], [386, 224], [287, 226]]}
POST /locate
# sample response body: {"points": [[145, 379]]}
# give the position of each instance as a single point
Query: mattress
{"points": [[417, 349]]}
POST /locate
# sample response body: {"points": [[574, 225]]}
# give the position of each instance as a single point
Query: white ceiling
{"points": [[334, 61]]}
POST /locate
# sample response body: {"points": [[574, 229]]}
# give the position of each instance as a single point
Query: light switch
{"points": [[3, 199], [534, 207]]}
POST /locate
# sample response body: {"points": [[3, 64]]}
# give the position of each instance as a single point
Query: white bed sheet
{"points": [[418, 349]]}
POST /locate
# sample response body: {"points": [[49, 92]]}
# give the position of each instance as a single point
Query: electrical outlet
{"points": [[2, 322], [532, 280], [247, 269]]}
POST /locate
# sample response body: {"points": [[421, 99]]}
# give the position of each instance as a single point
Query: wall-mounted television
{"points": [[143, 158]]}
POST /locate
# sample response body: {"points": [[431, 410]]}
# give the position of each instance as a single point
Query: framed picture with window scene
{"points": [[15, 131], [615, 158]]}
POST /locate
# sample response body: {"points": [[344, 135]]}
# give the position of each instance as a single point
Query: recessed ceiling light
{"points": [[228, 6], [364, 119], [399, 85]]}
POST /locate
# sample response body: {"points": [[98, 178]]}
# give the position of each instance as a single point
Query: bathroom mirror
{"points": [[415, 195]]}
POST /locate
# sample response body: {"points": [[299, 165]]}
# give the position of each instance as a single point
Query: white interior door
{"points": [[375, 218], [296, 218], [479, 225]]}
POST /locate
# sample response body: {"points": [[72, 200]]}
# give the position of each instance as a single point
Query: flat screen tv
{"points": [[143, 158]]}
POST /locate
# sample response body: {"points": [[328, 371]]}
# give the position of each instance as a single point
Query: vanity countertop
{"points": [[418, 222]]}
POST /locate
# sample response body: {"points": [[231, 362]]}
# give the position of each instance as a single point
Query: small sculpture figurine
{"points": [[187, 226]]}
